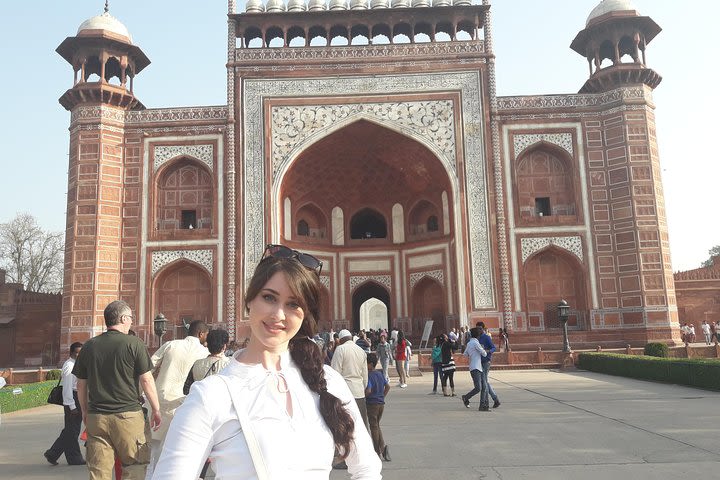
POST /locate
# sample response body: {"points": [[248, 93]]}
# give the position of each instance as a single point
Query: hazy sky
{"points": [[186, 42]]}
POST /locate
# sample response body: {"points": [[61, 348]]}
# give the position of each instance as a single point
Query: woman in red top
{"points": [[400, 346]]}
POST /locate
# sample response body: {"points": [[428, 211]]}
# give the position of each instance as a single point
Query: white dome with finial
{"points": [[607, 6], [254, 6], [105, 22], [338, 5], [275, 6], [296, 6], [317, 5]]}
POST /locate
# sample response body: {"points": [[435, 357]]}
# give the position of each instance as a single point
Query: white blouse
{"points": [[293, 447]]}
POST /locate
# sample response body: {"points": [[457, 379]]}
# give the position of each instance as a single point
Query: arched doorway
{"points": [[428, 304], [364, 293], [183, 293], [550, 276], [373, 315], [367, 176]]}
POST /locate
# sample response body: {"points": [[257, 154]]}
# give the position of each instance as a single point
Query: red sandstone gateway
{"points": [[370, 135]]}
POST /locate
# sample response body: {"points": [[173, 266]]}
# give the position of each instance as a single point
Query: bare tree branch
{"points": [[30, 255]]}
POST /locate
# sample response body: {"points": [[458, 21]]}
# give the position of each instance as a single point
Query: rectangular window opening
{"points": [[188, 219], [542, 207]]}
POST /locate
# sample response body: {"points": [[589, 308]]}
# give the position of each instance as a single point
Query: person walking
{"points": [[706, 332], [486, 341], [109, 370], [173, 362], [217, 341], [475, 353], [400, 356], [448, 366], [384, 354], [377, 389], [408, 358], [436, 358], [67, 442], [350, 361]]}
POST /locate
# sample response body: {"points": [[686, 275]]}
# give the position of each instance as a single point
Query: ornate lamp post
{"points": [[563, 312], [160, 324]]}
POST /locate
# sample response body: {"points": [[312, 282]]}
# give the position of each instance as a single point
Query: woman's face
{"points": [[275, 315]]}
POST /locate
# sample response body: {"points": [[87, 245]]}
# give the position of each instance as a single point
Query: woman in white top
{"points": [[299, 412]]}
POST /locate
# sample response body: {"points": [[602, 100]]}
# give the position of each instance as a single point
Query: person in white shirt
{"points": [[476, 352], [706, 332], [275, 411], [67, 442], [172, 363], [350, 361]]}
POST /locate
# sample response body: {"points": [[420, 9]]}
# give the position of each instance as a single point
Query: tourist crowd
{"points": [[246, 410]]}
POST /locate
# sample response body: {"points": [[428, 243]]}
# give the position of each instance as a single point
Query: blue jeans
{"points": [[490, 391], [436, 373], [479, 386]]}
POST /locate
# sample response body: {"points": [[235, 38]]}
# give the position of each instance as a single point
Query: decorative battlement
{"points": [[293, 26]]}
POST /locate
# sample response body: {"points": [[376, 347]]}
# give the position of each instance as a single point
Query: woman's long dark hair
{"points": [[305, 286]]}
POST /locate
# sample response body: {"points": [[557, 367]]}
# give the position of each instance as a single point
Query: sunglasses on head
{"points": [[305, 259]]}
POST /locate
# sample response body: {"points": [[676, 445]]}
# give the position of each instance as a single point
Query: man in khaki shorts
{"points": [[109, 370]]}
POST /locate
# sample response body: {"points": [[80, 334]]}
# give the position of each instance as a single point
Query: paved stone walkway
{"points": [[551, 425]]}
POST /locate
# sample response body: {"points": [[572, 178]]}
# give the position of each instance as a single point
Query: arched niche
{"points": [[428, 303], [310, 224], [545, 186], [424, 220], [182, 291], [363, 293], [549, 276], [368, 224], [184, 196]]}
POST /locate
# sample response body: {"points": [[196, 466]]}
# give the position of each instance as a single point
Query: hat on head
{"points": [[344, 333]]}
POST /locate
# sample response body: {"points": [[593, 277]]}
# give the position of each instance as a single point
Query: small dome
{"points": [[254, 6], [297, 6], [317, 5], [441, 3], [275, 6], [420, 3], [607, 6], [105, 22], [359, 4], [400, 3], [338, 5], [380, 4], [462, 3]]}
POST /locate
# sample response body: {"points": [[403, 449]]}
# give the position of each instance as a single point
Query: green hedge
{"points": [[34, 395], [656, 349], [695, 372]]}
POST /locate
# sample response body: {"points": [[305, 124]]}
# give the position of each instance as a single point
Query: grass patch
{"points": [[33, 395], [694, 372]]}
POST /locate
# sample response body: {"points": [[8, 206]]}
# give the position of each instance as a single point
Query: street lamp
{"points": [[160, 324], [563, 312]]}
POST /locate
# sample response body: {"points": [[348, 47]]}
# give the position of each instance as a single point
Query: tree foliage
{"points": [[31, 255], [713, 252]]}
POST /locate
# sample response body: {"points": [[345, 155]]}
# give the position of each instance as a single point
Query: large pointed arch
{"points": [[362, 293], [550, 275], [182, 291]]}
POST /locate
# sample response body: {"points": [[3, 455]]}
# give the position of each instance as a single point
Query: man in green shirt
{"points": [[110, 370]]}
